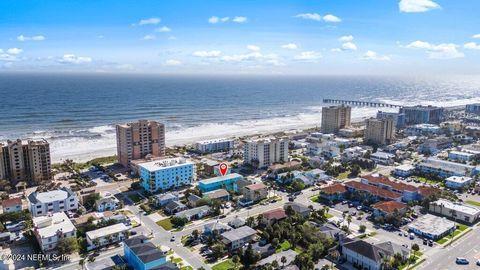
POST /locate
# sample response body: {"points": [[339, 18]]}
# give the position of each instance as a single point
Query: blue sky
{"points": [[408, 37]]}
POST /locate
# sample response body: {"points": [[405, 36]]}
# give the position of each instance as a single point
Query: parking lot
{"points": [[99, 177]]}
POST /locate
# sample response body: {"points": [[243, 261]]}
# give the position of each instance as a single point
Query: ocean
{"points": [[77, 113]]}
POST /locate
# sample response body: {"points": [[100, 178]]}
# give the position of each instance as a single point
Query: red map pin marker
{"points": [[223, 168]]}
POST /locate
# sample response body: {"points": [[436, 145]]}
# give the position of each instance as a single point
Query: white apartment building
{"points": [[214, 145], [265, 151], [60, 200], [106, 236], [457, 182], [50, 229]]}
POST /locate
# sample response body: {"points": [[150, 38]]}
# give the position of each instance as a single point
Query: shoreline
{"points": [[103, 154]]}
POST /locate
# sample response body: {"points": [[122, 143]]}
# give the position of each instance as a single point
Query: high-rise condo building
{"points": [[264, 152], [138, 139], [423, 115], [25, 161], [379, 131], [335, 118]]}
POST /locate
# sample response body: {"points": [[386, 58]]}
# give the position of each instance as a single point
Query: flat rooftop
{"points": [[432, 224], [116, 228], [218, 140], [458, 207], [167, 163], [239, 233], [219, 178], [459, 179], [446, 165], [51, 196], [48, 226]]}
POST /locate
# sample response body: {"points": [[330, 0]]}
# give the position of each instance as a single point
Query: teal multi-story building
{"points": [[228, 182], [165, 174]]}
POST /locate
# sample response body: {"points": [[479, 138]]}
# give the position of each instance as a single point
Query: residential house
{"points": [[194, 213], [237, 222], [215, 226], [255, 192], [107, 202], [298, 208], [12, 205], [237, 238], [192, 200], [165, 198], [273, 216], [404, 170], [175, 207], [219, 194], [288, 254], [460, 156], [364, 255], [408, 192], [373, 192], [383, 158], [444, 168]]}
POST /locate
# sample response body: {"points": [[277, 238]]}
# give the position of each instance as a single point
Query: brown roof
{"points": [[427, 191], [277, 214], [389, 206], [219, 193], [380, 179], [335, 188], [256, 186], [11, 202], [374, 190]]}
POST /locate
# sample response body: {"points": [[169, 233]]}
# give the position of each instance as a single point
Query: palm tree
{"points": [[81, 263], [349, 220]]}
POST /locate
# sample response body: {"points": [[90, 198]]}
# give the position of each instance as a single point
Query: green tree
{"points": [[67, 245], [235, 260]]}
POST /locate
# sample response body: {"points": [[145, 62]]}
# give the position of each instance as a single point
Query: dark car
{"points": [[430, 243], [425, 241]]}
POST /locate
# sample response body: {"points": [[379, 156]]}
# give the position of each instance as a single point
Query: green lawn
{"points": [[428, 181], [447, 238], [165, 223], [176, 260], [225, 265], [186, 268], [474, 203], [328, 215], [314, 198], [343, 175], [283, 246]]}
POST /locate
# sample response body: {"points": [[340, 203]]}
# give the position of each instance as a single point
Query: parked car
{"points": [[478, 262], [461, 260], [425, 242], [430, 243], [412, 236]]}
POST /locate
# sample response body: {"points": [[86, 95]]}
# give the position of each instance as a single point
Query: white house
{"points": [[382, 158], [50, 229], [404, 170], [460, 156], [60, 200], [106, 236], [107, 202]]}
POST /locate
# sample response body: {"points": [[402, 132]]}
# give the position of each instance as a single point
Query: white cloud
{"points": [[417, 5], [31, 38], [14, 51], [215, 19], [472, 46], [163, 29], [242, 57], [149, 37], [290, 46], [240, 19], [172, 62], [346, 38], [437, 51], [371, 55], [207, 54], [73, 59], [476, 36], [253, 48], [308, 56], [336, 50], [349, 46], [309, 16], [331, 18], [148, 21]]}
